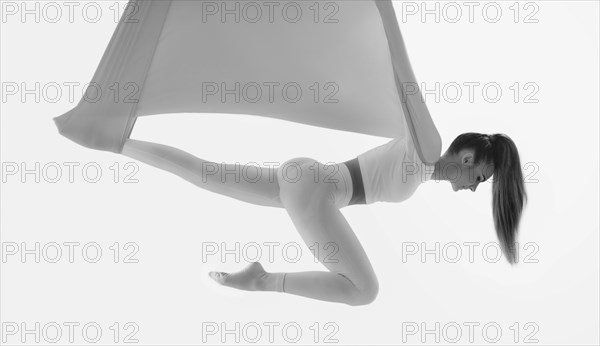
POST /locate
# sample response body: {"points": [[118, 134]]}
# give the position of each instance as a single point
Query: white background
{"points": [[169, 295]]}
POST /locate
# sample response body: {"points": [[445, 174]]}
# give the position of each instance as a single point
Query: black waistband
{"points": [[358, 189]]}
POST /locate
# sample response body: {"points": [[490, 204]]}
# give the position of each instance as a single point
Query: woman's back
{"points": [[392, 172]]}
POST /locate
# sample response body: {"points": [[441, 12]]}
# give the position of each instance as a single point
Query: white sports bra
{"points": [[392, 172]]}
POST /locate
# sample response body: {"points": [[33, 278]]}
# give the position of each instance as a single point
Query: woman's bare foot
{"points": [[252, 278]]}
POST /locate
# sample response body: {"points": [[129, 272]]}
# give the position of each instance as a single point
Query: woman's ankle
{"points": [[272, 282]]}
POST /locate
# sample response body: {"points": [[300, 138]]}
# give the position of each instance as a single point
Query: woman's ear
{"points": [[467, 158]]}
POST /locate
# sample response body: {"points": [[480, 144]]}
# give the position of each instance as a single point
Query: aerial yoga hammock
{"points": [[338, 65]]}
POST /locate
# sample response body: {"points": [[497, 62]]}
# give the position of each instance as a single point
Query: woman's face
{"points": [[467, 175]]}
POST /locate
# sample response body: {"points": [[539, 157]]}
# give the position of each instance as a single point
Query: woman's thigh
{"points": [[249, 183]]}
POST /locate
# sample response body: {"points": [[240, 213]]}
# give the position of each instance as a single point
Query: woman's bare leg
{"points": [[350, 279], [252, 184], [308, 201]]}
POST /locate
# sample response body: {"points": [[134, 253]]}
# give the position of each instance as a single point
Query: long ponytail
{"points": [[508, 193]]}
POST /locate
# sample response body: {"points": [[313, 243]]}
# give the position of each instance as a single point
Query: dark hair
{"points": [[508, 189]]}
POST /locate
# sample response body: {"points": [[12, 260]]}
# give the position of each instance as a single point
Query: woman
{"points": [[313, 194]]}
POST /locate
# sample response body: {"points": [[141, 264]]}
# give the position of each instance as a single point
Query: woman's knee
{"points": [[366, 293], [365, 289]]}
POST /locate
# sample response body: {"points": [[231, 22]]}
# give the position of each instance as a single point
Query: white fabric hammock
{"points": [[339, 65]]}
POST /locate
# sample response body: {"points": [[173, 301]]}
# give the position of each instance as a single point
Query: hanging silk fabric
{"points": [[339, 65]]}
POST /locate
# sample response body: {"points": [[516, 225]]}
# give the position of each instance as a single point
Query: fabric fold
{"points": [[338, 65], [104, 116]]}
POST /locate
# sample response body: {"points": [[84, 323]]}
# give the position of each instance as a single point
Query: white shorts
{"points": [[333, 180]]}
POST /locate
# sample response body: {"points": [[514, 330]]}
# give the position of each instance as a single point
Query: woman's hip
{"points": [[305, 180]]}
